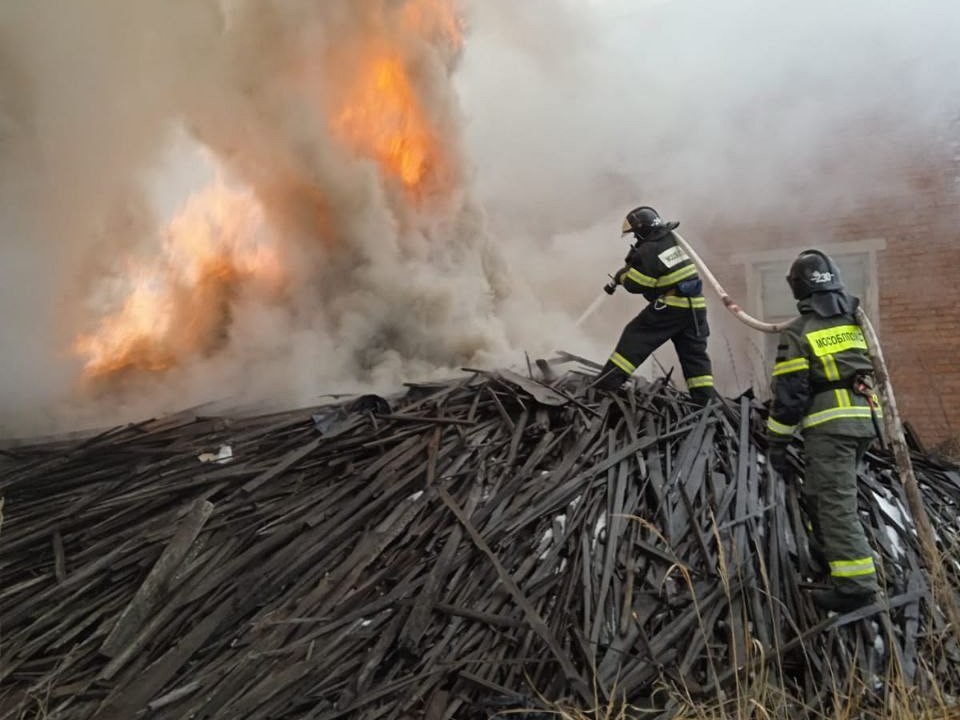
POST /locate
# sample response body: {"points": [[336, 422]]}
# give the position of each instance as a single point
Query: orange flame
{"points": [[383, 119], [181, 305], [383, 115]]}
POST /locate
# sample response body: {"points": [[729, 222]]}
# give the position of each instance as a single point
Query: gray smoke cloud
{"points": [[112, 114]]}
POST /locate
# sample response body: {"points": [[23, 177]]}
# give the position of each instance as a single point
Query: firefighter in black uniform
{"points": [[663, 273], [821, 383]]}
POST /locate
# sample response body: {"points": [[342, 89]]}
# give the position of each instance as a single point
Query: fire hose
{"points": [[891, 418]]}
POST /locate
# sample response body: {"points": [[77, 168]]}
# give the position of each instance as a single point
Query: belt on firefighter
{"points": [[671, 298], [854, 384], [828, 385]]}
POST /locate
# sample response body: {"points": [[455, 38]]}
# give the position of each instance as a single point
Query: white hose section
{"points": [[728, 302]]}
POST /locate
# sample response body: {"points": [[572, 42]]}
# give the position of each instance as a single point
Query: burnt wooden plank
{"points": [[292, 458], [537, 623], [149, 594], [411, 634]]}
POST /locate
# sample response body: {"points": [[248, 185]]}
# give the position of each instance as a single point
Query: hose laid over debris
{"points": [[892, 422], [942, 589]]}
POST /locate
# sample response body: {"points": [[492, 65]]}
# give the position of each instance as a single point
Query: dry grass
{"points": [[761, 698]]}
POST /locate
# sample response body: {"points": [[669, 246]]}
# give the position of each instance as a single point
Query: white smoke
{"points": [[721, 109]]}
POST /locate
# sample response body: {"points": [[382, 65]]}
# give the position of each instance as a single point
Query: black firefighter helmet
{"points": [[814, 271], [815, 275], [646, 224]]}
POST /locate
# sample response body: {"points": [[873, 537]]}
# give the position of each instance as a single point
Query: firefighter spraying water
{"points": [[657, 268]]}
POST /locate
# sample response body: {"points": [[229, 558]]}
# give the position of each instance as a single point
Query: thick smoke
{"points": [[714, 108], [558, 117], [722, 114], [112, 114]]}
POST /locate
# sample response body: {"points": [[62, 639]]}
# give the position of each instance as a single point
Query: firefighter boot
{"points": [[818, 560], [702, 396], [610, 378], [842, 602]]}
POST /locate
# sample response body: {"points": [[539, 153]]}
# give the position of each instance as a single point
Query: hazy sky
{"points": [[697, 104]]}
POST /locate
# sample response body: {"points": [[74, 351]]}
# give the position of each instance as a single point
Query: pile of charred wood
{"points": [[498, 542]]}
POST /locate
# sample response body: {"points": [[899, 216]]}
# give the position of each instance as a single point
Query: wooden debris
{"points": [[464, 548]]}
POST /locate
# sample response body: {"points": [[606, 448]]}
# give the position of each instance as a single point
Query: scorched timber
{"points": [[490, 543]]}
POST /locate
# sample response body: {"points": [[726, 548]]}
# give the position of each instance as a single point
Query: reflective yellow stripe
{"points": [[830, 367], [640, 279], [621, 362], [841, 413], [852, 568], [700, 381], [683, 302], [833, 373], [779, 428], [836, 339], [789, 366], [677, 275]]}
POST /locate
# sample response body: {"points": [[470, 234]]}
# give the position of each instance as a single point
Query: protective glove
{"points": [[777, 454], [615, 279]]}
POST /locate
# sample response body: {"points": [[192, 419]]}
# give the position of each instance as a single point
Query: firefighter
{"points": [[662, 272], [821, 385]]}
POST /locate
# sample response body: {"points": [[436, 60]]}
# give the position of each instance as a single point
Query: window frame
{"points": [[870, 248]]}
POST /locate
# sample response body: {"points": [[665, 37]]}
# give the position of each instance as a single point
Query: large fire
{"points": [[384, 120], [178, 306], [382, 115]]}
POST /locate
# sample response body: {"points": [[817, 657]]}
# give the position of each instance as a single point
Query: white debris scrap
{"points": [[892, 509], [598, 530], [222, 456]]}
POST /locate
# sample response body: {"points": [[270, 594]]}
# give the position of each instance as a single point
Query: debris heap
{"points": [[500, 541]]}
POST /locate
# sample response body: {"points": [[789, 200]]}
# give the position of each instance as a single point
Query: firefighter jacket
{"points": [[817, 360], [655, 269]]}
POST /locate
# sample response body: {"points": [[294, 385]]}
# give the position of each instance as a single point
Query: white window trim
{"points": [[869, 247]]}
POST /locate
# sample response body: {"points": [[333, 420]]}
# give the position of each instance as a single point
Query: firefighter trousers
{"points": [[654, 326], [830, 497]]}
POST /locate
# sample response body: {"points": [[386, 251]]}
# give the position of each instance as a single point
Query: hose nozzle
{"points": [[610, 287]]}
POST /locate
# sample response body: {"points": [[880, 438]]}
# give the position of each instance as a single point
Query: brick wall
{"points": [[919, 279]]}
